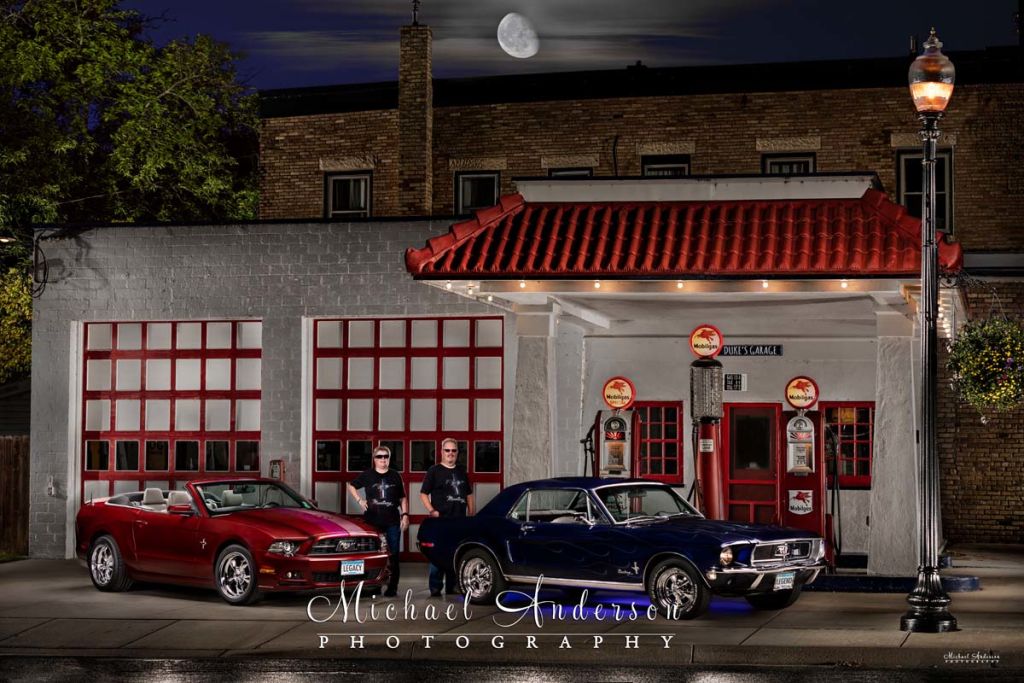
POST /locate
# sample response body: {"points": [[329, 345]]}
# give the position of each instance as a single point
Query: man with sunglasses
{"points": [[385, 506], [446, 492]]}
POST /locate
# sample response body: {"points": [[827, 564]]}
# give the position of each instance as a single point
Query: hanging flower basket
{"points": [[987, 364]]}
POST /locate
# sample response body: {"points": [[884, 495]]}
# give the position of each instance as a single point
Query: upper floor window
{"points": [[667, 165], [348, 195], [581, 172], [788, 164], [910, 187], [475, 190]]}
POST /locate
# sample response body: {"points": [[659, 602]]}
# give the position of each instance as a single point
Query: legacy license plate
{"points": [[783, 580], [355, 568]]}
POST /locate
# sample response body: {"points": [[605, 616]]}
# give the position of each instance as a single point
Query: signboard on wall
{"points": [[802, 392], [706, 341], [618, 393], [752, 350]]}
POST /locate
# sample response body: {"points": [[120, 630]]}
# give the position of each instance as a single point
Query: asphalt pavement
{"points": [[49, 608]]}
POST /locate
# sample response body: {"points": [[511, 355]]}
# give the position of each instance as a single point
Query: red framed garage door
{"points": [[406, 383], [167, 402]]}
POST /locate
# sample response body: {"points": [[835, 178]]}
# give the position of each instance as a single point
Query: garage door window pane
{"points": [[156, 456], [218, 416], [129, 375], [217, 456], [424, 373], [247, 456], [359, 456], [422, 456], [456, 373], [250, 335], [488, 373], [186, 374], [186, 415], [488, 414], [247, 416], [424, 333], [247, 374], [127, 415], [97, 455], [99, 337], [158, 416], [129, 336], [97, 416], [392, 333], [218, 373], [392, 373], [488, 333], [456, 333], [158, 336], [190, 336], [360, 334], [455, 415], [360, 418], [158, 374], [487, 456], [98, 373], [360, 373], [328, 334], [422, 414], [328, 373], [186, 456], [328, 414], [328, 456], [391, 414], [218, 335]]}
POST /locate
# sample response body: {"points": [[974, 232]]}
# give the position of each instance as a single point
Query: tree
{"points": [[98, 124]]}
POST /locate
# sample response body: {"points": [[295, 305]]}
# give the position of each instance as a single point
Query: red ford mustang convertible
{"points": [[241, 536]]}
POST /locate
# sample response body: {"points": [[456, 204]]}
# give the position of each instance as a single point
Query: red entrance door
{"points": [[750, 446]]}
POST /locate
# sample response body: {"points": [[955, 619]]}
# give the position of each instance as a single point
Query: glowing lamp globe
{"points": [[931, 78]]}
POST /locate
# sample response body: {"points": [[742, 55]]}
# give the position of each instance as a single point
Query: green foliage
{"points": [[15, 324], [987, 363], [97, 124]]}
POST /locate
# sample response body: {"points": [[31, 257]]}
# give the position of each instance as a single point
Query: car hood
{"points": [[726, 532], [285, 522]]}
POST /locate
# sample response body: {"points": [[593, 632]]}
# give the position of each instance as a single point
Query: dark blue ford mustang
{"points": [[615, 534]]}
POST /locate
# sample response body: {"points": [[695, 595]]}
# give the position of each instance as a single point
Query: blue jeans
{"points": [[438, 579], [394, 536]]}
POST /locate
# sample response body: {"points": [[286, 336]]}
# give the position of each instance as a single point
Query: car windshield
{"points": [[634, 502], [235, 496]]}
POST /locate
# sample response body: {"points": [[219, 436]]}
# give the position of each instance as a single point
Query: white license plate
{"points": [[355, 567], [784, 580]]}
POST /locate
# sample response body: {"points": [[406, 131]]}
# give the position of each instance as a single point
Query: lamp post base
{"points": [[929, 604]]}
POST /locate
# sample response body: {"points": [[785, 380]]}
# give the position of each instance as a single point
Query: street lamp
{"points": [[931, 85]]}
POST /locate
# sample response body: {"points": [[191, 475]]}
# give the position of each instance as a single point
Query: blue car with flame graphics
{"points": [[613, 534]]}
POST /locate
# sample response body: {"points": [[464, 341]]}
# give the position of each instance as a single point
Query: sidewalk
{"points": [[49, 607]]}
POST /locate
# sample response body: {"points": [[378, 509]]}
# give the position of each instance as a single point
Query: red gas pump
{"points": [[706, 386], [802, 465]]}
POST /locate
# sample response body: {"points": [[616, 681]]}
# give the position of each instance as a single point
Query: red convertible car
{"points": [[241, 536]]}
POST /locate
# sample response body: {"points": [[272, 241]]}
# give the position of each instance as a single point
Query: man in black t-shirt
{"points": [[446, 492], [385, 506]]}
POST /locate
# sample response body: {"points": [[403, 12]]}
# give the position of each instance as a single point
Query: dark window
{"points": [[217, 456], [156, 456], [97, 455], [348, 195], [788, 164], [910, 186], [328, 456], [359, 455], [475, 190], [126, 455], [570, 172], [186, 456], [487, 456], [665, 165], [397, 454], [424, 454], [849, 442], [247, 456]]}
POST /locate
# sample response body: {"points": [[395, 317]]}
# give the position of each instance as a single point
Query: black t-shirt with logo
{"points": [[447, 488], [384, 494]]}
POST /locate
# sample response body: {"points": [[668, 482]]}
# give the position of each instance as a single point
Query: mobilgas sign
{"points": [[752, 350]]}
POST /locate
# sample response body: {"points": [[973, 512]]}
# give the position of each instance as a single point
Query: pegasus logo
{"points": [[782, 551]]}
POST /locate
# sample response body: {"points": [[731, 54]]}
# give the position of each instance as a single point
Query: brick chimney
{"points": [[415, 121]]}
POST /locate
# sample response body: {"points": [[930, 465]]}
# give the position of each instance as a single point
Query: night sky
{"points": [[292, 43]]}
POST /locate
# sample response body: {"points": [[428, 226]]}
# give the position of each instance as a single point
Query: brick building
{"points": [[375, 300]]}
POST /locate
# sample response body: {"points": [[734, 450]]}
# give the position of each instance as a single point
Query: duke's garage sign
{"points": [[618, 393], [802, 392], [706, 341]]}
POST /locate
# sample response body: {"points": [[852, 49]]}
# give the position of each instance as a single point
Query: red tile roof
{"points": [[825, 238]]}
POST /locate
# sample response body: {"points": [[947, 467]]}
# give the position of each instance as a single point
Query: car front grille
{"points": [[334, 577], [784, 551], [346, 545]]}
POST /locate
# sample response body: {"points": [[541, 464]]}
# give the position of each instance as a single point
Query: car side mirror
{"points": [[184, 509]]}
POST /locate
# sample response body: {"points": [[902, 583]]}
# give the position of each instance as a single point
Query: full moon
{"points": [[517, 37]]}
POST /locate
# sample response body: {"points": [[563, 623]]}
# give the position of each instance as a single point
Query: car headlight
{"points": [[286, 548], [383, 543], [725, 557]]}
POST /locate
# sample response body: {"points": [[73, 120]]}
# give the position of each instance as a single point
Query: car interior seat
{"points": [[153, 499]]}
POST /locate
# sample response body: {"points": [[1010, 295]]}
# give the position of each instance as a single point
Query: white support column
{"points": [[532, 443], [894, 528]]}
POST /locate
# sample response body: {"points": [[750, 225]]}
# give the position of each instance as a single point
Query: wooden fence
{"points": [[14, 495]]}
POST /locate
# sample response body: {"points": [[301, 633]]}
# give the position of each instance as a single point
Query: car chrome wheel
{"points": [[235, 575], [102, 564], [477, 578], [675, 589]]}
